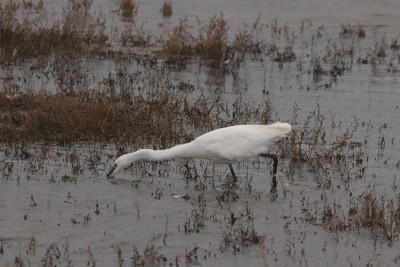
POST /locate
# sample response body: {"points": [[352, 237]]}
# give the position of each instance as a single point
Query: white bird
{"points": [[225, 145]]}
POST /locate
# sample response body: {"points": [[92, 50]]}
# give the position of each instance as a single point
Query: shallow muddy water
{"points": [[58, 208]]}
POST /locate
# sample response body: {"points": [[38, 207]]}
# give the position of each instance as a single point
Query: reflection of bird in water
{"points": [[226, 145]]}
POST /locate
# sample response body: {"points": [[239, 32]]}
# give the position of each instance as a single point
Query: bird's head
{"points": [[119, 164]]}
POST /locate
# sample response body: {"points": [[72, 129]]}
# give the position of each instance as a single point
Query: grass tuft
{"points": [[166, 9], [128, 8]]}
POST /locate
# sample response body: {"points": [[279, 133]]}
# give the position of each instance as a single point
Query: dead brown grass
{"points": [[127, 8], [246, 40], [30, 38], [212, 44], [123, 117], [352, 31], [369, 211], [166, 9], [310, 145], [75, 118], [179, 44]]}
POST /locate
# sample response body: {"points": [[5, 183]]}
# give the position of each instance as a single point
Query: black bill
{"points": [[111, 170]]}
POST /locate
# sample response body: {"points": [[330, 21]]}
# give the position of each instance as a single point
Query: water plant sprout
{"points": [[225, 145]]}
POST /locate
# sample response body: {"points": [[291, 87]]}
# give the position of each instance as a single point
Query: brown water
{"points": [[40, 206]]}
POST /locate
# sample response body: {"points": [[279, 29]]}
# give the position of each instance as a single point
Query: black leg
{"points": [[233, 173], [275, 159]]}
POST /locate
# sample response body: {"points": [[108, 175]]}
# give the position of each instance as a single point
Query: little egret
{"points": [[225, 145]]}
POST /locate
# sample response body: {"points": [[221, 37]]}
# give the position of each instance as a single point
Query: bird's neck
{"points": [[178, 151]]}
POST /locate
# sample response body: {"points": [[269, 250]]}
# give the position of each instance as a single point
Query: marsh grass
{"points": [[57, 118], [379, 214], [78, 33], [214, 49], [179, 44], [166, 9], [128, 8], [31, 38], [198, 217], [149, 257], [54, 255], [308, 145], [212, 44], [352, 31], [114, 116], [247, 40], [135, 36], [239, 232], [25, 4], [80, 6], [67, 119]]}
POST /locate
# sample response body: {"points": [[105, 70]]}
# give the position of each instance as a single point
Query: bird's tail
{"points": [[282, 127]]}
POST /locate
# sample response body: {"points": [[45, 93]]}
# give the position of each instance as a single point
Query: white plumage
{"points": [[224, 145], [234, 143]]}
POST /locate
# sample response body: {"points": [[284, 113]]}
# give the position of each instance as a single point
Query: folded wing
{"points": [[233, 143]]}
